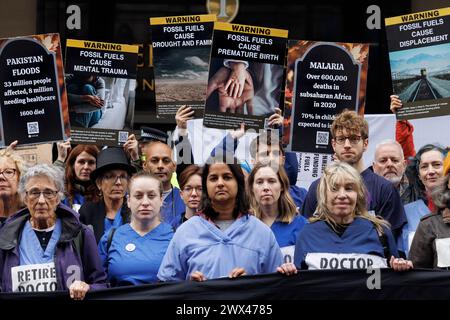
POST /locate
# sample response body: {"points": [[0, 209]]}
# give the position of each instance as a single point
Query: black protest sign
{"points": [[100, 80], [419, 54], [245, 76], [30, 90], [326, 80], [181, 53]]}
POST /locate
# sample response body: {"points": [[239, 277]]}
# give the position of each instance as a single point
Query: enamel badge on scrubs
{"points": [[130, 247]]}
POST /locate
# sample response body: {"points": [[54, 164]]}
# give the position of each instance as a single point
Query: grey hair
{"points": [[390, 142], [53, 173]]}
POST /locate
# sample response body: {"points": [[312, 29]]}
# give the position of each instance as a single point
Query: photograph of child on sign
{"points": [[100, 102], [237, 86]]}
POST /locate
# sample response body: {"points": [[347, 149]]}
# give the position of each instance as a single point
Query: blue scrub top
{"points": [[134, 259], [360, 237]]}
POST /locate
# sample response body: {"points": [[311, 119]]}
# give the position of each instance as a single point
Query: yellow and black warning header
{"points": [[83, 44], [251, 29], [183, 19], [418, 16]]}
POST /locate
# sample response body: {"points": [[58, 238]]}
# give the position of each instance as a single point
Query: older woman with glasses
{"points": [[12, 166], [44, 247], [111, 179]]}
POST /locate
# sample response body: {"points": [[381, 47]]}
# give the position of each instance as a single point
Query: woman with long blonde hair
{"points": [[342, 234]]}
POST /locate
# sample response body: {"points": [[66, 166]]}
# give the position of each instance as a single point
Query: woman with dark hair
{"points": [[79, 165], [424, 173], [268, 192], [190, 181], [111, 179], [223, 240], [430, 246]]}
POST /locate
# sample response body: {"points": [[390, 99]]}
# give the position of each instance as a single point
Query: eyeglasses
{"points": [[191, 189], [113, 178], [353, 139], [36, 194], [8, 173]]}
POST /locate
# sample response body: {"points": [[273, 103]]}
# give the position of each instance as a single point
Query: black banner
{"points": [[379, 284], [30, 96]]}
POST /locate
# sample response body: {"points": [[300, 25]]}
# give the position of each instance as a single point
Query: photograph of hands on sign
{"points": [[238, 86], [100, 102]]}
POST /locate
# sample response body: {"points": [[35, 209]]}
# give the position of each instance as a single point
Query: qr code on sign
{"points": [[123, 136], [33, 127], [322, 137]]}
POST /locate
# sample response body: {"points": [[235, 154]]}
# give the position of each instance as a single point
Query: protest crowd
{"points": [[133, 230], [144, 213]]}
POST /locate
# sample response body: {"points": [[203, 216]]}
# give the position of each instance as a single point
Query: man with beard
{"points": [[159, 161], [350, 134]]}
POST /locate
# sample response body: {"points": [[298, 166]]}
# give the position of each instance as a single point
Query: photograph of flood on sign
{"points": [[101, 82]]}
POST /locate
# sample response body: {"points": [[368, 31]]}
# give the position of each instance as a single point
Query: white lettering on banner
{"points": [[443, 252], [318, 261], [34, 278], [288, 254]]}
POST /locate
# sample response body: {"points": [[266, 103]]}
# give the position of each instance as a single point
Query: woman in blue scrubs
{"points": [[224, 240], [342, 234], [268, 193], [132, 254]]}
